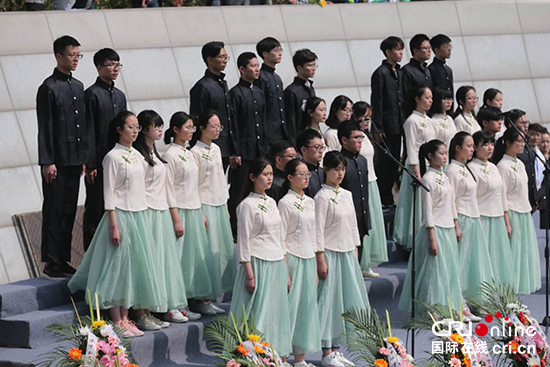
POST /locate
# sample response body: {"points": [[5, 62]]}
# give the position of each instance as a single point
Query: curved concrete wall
{"points": [[504, 45]]}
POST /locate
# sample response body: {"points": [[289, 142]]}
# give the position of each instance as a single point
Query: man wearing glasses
{"points": [[416, 72], [62, 154], [310, 145], [103, 102], [280, 153]]}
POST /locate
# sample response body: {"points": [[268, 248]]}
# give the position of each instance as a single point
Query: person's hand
{"points": [[416, 171], [178, 229], [322, 270], [250, 285], [458, 234], [49, 172], [379, 136], [432, 248], [205, 222], [91, 175], [179, 2], [509, 230], [83, 170], [235, 161], [114, 235]]}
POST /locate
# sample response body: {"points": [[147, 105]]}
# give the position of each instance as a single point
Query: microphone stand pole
{"points": [[415, 184], [546, 319]]}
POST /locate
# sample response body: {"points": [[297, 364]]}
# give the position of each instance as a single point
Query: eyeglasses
{"points": [[424, 48], [447, 46], [320, 148], [291, 156], [74, 56], [113, 66], [155, 127], [217, 128], [472, 99], [278, 49], [303, 174], [134, 128], [524, 122], [365, 119], [191, 129], [223, 57], [358, 137]]}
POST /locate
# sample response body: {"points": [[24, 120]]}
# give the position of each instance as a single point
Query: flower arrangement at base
{"points": [[238, 343], [95, 342], [370, 342]]}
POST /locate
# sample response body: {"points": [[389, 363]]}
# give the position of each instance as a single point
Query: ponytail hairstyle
{"points": [[332, 160], [425, 150], [113, 136], [202, 121], [481, 138], [509, 136], [147, 119], [177, 120], [311, 105], [338, 104], [414, 93], [255, 168], [461, 99], [290, 169], [458, 141], [489, 95]]}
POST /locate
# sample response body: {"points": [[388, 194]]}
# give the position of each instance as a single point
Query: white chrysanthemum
{"points": [[532, 362], [512, 306], [84, 331], [105, 330]]}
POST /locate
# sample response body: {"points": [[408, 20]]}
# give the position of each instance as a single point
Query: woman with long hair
{"points": [[445, 128], [464, 117], [314, 115], [340, 110]]}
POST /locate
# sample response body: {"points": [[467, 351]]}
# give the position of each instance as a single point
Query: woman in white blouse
{"points": [[340, 111], [493, 208], [298, 228], [437, 278], [465, 119], [341, 285], [262, 278], [444, 125], [524, 239], [119, 265], [473, 250], [213, 194], [418, 129], [375, 248], [160, 221], [189, 225]]}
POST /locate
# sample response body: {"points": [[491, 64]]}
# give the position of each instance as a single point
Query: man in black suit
{"points": [[280, 153]]}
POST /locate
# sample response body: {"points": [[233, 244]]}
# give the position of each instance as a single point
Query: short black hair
{"points": [[439, 40], [302, 57], [60, 44], [536, 127], [245, 58], [211, 49], [488, 113], [390, 43], [512, 116], [416, 42], [346, 128], [278, 148], [105, 54], [305, 137], [266, 45]]}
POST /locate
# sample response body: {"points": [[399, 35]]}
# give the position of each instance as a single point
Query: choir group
{"points": [[301, 193]]}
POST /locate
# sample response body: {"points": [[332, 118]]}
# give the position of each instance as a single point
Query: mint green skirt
{"points": [[166, 260], [403, 222], [500, 250], [342, 290], [302, 299], [525, 250], [220, 254], [123, 275], [475, 260], [375, 248], [268, 304], [437, 278], [196, 275]]}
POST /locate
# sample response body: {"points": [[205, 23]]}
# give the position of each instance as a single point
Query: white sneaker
{"points": [[174, 316], [303, 364], [344, 360], [146, 324], [192, 316], [370, 274], [331, 360], [219, 310], [162, 324]]}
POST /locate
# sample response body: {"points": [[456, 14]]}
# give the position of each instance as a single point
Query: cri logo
{"points": [[445, 327]]}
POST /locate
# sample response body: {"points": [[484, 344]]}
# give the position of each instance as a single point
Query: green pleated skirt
{"points": [[220, 254], [268, 303], [122, 275], [437, 277], [304, 314], [475, 260], [375, 248], [199, 283], [342, 290], [525, 250], [500, 250], [403, 222], [166, 257]]}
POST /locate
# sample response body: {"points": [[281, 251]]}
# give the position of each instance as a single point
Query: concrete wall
{"points": [[504, 45]]}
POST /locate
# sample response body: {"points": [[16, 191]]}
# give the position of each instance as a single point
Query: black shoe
{"points": [[52, 271], [66, 268]]}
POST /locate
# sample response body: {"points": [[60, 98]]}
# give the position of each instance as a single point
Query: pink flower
{"points": [[268, 362], [455, 362], [112, 340], [384, 351], [106, 361], [232, 363]]}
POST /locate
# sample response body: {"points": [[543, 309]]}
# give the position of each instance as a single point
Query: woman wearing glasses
{"points": [[213, 195], [182, 187], [465, 118], [298, 231], [445, 128], [340, 111], [375, 249]]}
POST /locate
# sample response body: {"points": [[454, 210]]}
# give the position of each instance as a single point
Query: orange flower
{"points": [[467, 362], [75, 354], [513, 346], [259, 350], [380, 363], [457, 338], [132, 365], [265, 344], [242, 350]]}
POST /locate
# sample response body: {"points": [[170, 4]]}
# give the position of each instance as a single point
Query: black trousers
{"points": [[238, 178], [94, 209], [386, 170], [58, 213]]}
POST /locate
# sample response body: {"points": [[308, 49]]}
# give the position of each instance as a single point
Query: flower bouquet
{"points": [[369, 341], [238, 343], [95, 343]]}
